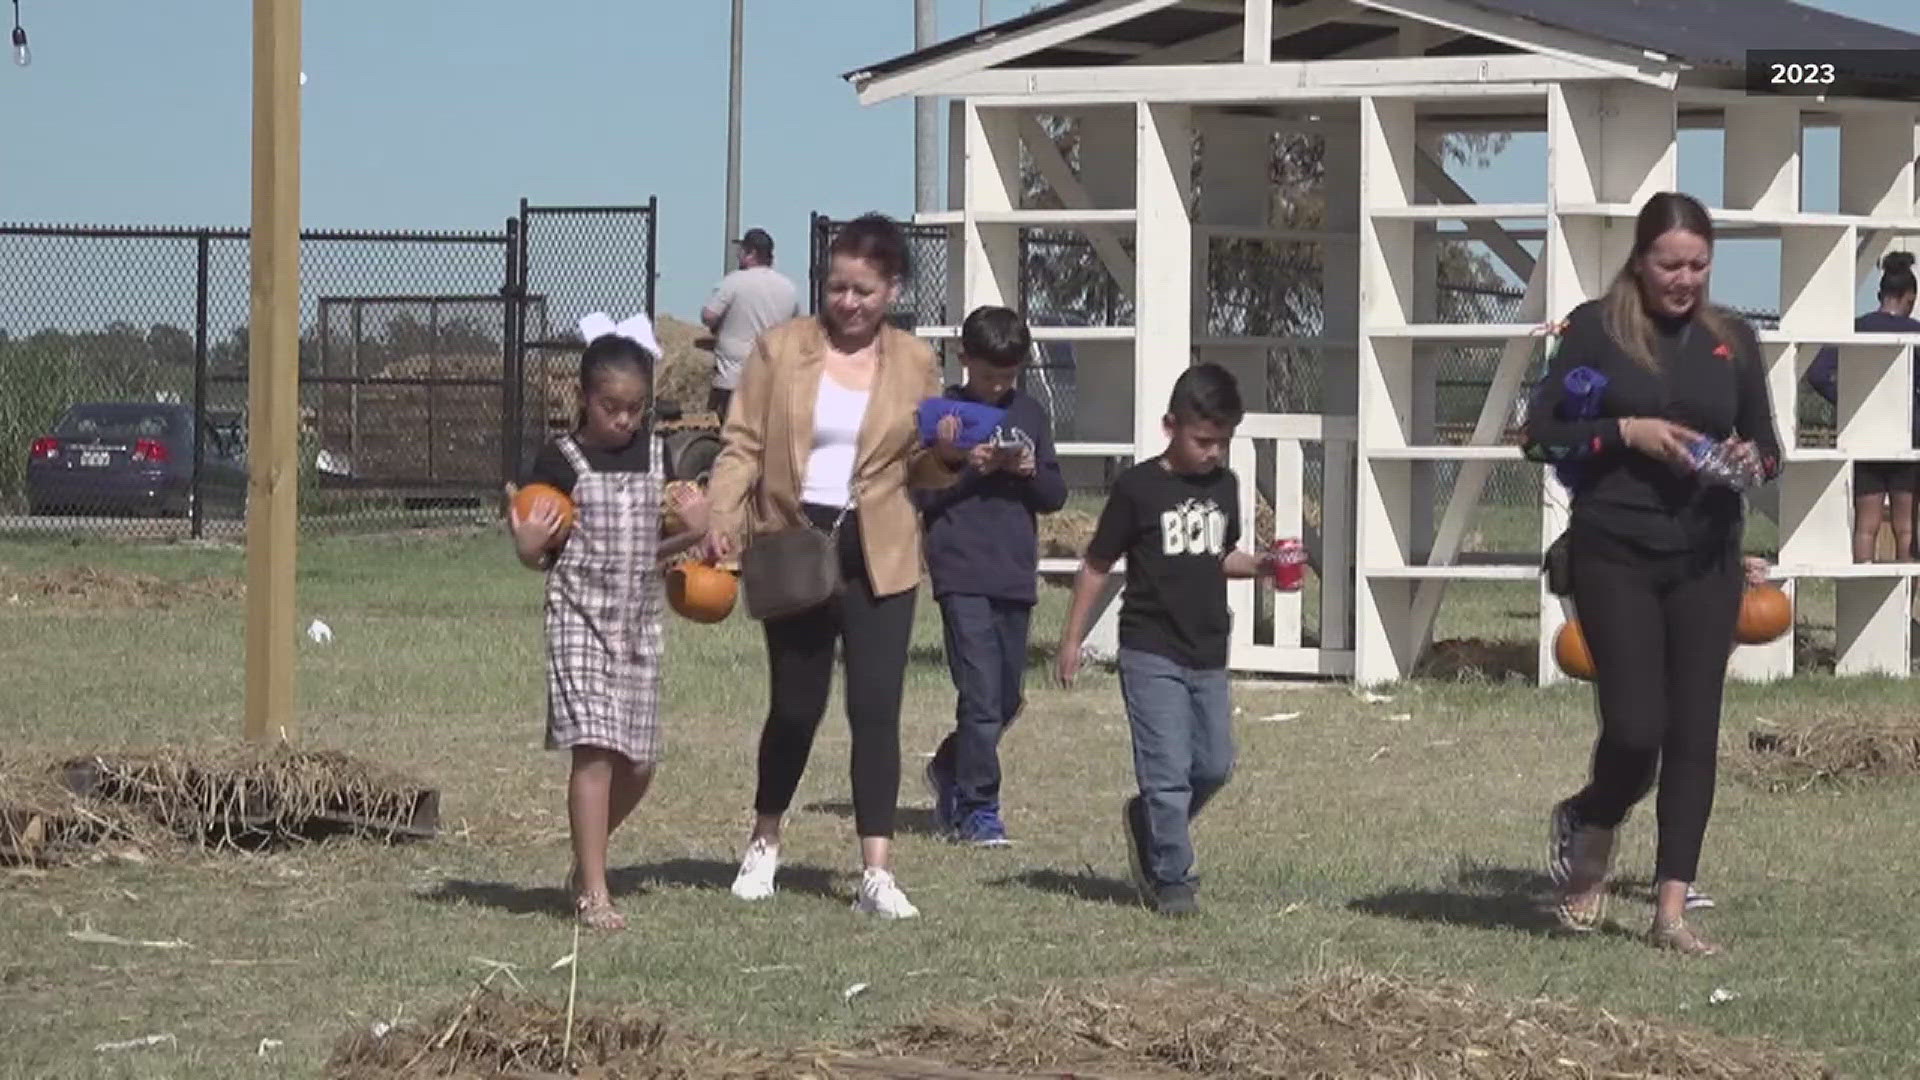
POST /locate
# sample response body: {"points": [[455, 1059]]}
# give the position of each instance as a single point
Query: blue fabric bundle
{"points": [[977, 421], [1584, 387]]}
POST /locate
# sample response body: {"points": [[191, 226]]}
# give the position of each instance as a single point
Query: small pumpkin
{"points": [[701, 592], [1570, 651], [529, 499], [1765, 614]]}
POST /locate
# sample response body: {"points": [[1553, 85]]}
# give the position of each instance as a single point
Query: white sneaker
{"points": [[880, 896], [755, 880]]}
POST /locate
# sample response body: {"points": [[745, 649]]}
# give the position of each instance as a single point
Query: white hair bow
{"points": [[636, 328]]}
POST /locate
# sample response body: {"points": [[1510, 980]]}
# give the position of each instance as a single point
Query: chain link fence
{"points": [[124, 362]]}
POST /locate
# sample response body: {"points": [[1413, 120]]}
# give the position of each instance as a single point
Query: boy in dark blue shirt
{"points": [[983, 552], [1175, 518]]}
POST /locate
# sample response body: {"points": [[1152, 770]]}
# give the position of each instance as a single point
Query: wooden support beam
{"points": [[998, 50], [1256, 37], [1074, 196], [1432, 175], [273, 371], [1470, 482], [1620, 61], [1413, 77], [1163, 245], [1220, 44]]}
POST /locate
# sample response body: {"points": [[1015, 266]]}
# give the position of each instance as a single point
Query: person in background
{"points": [[1879, 483], [983, 553], [824, 434], [742, 307], [1655, 550]]}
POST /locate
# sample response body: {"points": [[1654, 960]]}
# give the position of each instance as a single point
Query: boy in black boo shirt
{"points": [[1176, 520], [983, 554]]}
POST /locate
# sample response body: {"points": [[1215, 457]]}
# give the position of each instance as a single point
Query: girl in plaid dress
{"points": [[605, 599]]}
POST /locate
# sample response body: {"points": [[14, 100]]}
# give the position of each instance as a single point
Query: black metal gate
{"points": [[565, 262]]}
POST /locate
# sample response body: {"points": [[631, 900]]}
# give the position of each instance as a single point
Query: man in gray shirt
{"points": [[746, 302]]}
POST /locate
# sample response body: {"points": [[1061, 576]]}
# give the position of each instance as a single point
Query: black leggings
{"points": [[875, 632], [1660, 627]]}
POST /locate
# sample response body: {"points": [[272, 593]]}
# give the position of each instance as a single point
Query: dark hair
{"points": [[997, 335], [1206, 392], [875, 238], [609, 352], [1624, 308], [1896, 275]]}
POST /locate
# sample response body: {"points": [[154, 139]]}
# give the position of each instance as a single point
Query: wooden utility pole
{"points": [[273, 370]]}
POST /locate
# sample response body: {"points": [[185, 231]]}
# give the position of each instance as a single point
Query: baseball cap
{"points": [[757, 240]]}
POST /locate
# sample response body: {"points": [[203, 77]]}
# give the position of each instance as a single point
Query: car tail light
{"points": [[149, 450], [45, 448]]}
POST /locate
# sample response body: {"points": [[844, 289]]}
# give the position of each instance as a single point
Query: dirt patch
{"points": [[1477, 660], [1794, 757], [94, 588], [162, 801], [1343, 1023]]}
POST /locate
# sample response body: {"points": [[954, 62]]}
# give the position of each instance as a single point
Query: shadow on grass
{"points": [[912, 820], [1490, 898], [515, 899], [1087, 886]]}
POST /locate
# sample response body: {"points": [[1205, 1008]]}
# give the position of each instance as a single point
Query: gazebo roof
{"points": [[1709, 37]]}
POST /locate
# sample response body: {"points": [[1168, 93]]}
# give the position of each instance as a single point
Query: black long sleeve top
{"points": [[1716, 388]]}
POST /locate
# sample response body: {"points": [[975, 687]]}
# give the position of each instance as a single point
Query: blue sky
{"points": [[442, 114]]}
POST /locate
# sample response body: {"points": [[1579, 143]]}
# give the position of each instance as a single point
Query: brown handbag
{"points": [[794, 570]]}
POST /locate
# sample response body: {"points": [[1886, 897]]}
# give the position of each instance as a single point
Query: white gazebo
{"points": [[1610, 84]]}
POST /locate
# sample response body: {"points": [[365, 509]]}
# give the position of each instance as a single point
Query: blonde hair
{"points": [[1624, 308]]}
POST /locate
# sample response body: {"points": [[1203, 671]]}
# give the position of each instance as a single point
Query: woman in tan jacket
{"points": [[823, 423]]}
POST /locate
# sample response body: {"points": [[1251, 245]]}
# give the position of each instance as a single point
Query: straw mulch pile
{"points": [[1339, 1024], [1797, 756], [75, 588], [157, 800]]}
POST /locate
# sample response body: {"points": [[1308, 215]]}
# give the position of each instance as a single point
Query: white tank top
{"points": [[837, 413]]}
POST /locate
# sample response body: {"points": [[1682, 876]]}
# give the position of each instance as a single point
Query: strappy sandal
{"points": [[595, 911], [1582, 904], [1677, 936]]}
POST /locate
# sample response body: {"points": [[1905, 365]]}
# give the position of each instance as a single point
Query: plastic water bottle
{"points": [[1715, 462]]}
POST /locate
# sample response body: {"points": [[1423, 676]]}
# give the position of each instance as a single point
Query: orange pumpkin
{"points": [[671, 496], [701, 592], [528, 499], [1570, 651], [1765, 614]]}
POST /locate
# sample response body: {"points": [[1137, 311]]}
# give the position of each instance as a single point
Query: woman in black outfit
{"points": [[1654, 546]]}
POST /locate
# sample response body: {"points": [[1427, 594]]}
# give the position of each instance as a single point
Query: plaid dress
{"points": [[605, 604]]}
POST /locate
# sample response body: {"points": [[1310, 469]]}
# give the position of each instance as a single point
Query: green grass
{"points": [[1400, 835]]}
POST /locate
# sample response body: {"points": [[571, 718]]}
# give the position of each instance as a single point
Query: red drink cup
{"points": [[1289, 564]]}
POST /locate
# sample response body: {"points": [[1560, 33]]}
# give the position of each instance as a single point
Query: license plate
{"points": [[95, 459]]}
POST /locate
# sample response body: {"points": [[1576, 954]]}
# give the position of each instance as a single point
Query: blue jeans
{"points": [[986, 643], [1182, 723]]}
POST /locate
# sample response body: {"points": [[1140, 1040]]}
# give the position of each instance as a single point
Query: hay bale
{"points": [[686, 371], [1793, 757], [220, 797], [1342, 1023], [42, 823]]}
